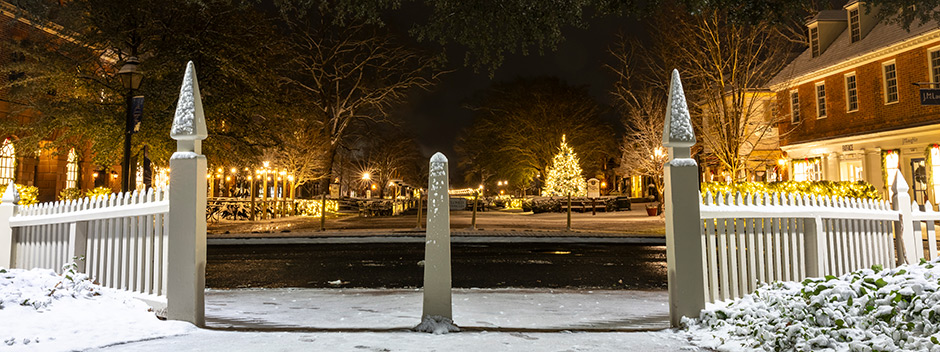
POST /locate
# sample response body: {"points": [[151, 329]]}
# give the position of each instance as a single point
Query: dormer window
{"points": [[814, 40], [854, 26]]}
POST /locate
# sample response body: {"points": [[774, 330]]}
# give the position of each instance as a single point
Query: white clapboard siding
{"points": [[123, 239], [926, 227], [760, 238]]}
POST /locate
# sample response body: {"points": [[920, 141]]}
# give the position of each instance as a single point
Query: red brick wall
{"points": [[872, 114]]}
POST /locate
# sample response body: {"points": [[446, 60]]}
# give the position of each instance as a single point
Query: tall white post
{"points": [[908, 247], [684, 242], [8, 207], [186, 279], [437, 316]]}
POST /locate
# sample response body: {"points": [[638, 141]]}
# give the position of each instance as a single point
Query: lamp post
{"points": [[130, 79]]}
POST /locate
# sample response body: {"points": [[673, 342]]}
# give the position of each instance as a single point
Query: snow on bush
{"points": [[44, 311], [39, 288], [867, 310]]}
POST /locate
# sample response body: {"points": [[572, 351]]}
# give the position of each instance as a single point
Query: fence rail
{"points": [[122, 238]]}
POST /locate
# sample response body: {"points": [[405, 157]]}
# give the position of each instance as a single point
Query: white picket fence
{"points": [[753, 239], [122, 238]]}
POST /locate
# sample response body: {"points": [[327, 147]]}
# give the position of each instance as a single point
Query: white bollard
{"points": [[684, 241], [437, 316], [186, 277]]}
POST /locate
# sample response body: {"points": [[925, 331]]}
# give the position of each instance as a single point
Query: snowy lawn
{"points": [[43, 311], [867, 310]]}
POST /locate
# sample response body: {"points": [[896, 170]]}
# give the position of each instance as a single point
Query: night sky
{"points": [[438, 116]]}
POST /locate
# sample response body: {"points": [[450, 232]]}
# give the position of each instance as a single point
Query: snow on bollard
{"points": [[684, 242], [437, 316], [186, 277]]}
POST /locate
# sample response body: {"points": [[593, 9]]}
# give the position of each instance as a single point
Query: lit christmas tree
{"points": [[564, 176]]}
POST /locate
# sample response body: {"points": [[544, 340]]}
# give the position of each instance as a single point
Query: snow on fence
{"points": [[122, 238], [758, 238]]}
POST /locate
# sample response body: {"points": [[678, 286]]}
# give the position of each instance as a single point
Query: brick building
{"points": [[852, 109], [50, 171]]}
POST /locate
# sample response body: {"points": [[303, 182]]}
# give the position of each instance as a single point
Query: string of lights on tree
{"points": [[564, 176]]}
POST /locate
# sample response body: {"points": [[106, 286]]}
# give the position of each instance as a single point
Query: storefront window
{"points": [[935, 172], [892, 161], [807, 169]]}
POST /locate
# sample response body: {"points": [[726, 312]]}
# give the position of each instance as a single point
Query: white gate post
{"points": [[8, 208], [907, 247], [437, 316], [186, 278], [684, 242]]}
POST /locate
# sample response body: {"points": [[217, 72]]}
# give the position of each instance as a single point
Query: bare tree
{"points": [[642, 151], [351, 75], [724, 62]]}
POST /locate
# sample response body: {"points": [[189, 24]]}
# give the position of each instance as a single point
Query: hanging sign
{"points": [[930, 96], [137, 110]]}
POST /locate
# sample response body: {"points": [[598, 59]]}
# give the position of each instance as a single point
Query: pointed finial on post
{"points": [[677, 129], [11, 195], [189, 123]]}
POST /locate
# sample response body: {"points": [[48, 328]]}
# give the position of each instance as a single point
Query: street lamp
{"points": [[130, 79]]}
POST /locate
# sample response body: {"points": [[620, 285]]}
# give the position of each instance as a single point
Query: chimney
{"points": [[824, 29], [861, 19]]}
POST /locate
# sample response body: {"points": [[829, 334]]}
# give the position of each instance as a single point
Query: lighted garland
{"points": [[858, 189]]}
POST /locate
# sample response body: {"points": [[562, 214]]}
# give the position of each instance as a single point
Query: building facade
{"points": [[851, 103], [51, 171]]}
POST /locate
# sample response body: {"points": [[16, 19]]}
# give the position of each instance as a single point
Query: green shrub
{"points": [[98, 191], [71, 193], [542, 205], [860, 189]]}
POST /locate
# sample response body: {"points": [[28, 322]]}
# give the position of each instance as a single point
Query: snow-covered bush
{"points": [[39, 288], [867, 310]]}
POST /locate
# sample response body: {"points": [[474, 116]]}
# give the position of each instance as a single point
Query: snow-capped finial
{"points": [[11, 195], [438, 158], [678, 125], [189, 123]]}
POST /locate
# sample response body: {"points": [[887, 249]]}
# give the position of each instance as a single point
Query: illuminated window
{"points": [[807, 169], [892, 162], [71, 170], [851, 93], [820, 99], [890, 82], [935, 171], [7, 162], [794, 106], [854, 25]]}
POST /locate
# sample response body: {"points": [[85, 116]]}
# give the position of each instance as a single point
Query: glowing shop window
{"points": [[71, 170], [7, 162], [852, 171], [892, 163], [935, 172], [807, 170]]}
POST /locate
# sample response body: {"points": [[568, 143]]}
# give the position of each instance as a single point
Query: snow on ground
{"points": [[867, 310], [43, 311]]}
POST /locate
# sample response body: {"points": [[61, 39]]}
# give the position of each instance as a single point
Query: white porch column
{"points": [[186, 279], [684, 242], [871, 166], [832, 167]]}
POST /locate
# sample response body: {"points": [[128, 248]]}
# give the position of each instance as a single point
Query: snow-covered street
{"points": [[81, 316]]}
